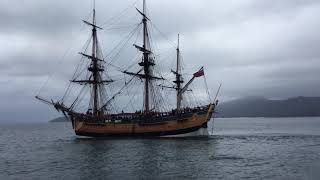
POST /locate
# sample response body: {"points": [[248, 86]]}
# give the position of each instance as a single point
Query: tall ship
{"points": [[100, 118]]}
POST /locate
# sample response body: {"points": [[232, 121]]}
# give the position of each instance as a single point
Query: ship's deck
{"points": [[141, 118]]}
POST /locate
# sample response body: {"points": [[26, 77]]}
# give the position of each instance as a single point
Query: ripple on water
{"points": [[224, 157], [52, 151]]}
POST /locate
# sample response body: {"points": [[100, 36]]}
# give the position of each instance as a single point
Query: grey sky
{"points": [[254, 47]]}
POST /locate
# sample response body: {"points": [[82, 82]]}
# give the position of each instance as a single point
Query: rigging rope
{"points": [[123, 42], [174, 45], [116, 17], [207, 90], [72, 37], [119, 92], [75, 76]]}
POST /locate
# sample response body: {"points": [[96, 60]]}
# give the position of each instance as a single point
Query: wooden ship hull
{"points": [[190, 124]]}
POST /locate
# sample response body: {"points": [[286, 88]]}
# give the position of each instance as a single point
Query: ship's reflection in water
{"points": [[256, 148], [144, 158]]}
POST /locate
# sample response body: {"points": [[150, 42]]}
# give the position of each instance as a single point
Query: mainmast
{"points": [[147, 62], [146, 65], [94, 69], [178, 80]]}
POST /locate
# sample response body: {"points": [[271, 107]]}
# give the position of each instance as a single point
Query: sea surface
{"points": [[239, 148]]}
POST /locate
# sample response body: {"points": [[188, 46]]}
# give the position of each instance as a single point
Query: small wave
{"points": [[312, 145], [224, 157]]}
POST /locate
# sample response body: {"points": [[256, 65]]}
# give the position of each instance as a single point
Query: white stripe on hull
{"points": [[199, 132]]}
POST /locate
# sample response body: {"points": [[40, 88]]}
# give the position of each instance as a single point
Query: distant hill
{"points": [[59, 119], [262, 107]]}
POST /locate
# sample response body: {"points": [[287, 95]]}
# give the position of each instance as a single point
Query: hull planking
{"points": [[175, 125]]}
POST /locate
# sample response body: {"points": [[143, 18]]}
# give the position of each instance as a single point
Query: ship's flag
{"points": [[199, 73]]}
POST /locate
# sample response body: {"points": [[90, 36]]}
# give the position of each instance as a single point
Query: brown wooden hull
{"points": [[172, 126]]}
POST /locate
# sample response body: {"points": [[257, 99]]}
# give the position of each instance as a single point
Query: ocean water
{"points": [[240, 148]]}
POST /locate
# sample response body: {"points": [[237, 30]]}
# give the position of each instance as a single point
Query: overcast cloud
{"points": [[254, 47]]}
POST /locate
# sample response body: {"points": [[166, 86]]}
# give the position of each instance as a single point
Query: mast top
{"points": [[144, 7], [144, 11], [93, 24], [94, 13], [178, 41]]}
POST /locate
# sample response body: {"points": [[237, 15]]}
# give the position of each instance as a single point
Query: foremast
{"points": [[96, 68], [95, 80]]}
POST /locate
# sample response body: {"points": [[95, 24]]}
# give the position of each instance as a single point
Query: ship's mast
{"points": [[178, 80], [147, 62], [146, 65], [95, 80], [95, 68], [95, 72]]}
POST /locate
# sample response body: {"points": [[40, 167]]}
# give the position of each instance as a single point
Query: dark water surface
{"points": [[241, 148]]}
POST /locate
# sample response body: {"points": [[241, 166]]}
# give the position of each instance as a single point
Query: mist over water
{"points": [[240, 148]]}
